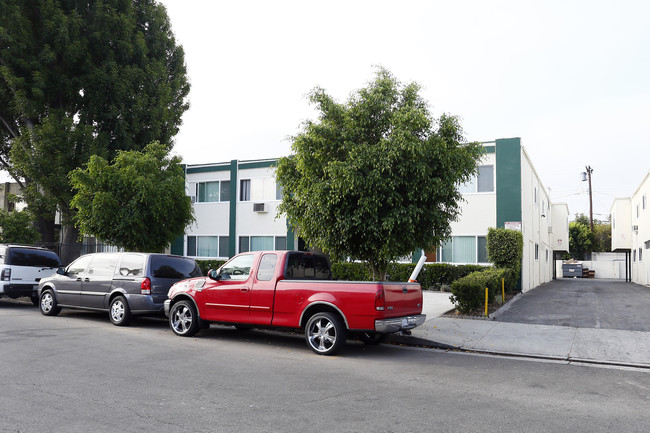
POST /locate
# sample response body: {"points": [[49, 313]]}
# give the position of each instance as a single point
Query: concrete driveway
{"points": [[583, 303]]}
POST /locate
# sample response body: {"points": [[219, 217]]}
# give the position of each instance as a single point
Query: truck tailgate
{"points": [[402, 299]]}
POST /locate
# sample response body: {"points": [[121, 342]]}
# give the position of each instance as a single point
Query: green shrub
{"points": [[206, 265], [468, 293], [348, 271], [505, 249]]}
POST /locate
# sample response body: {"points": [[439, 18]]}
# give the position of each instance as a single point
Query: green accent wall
{"points": [[291, 244], [258, 164], [508, 179], [232, 230], [209, 168]]}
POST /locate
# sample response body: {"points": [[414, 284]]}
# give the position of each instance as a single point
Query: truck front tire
{"points": [[183, 319]]}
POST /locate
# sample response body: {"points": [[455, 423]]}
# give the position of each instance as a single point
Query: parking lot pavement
{"points": [[583, 303]]}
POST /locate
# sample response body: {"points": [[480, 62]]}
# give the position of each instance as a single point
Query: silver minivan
{"points": [[124, 284]]}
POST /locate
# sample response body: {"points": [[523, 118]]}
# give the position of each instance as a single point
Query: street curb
{"points": [[406, 340], [505, 307]]}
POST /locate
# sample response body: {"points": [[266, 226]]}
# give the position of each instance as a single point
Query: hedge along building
{"points": [[630, 218], [508, 193], [235, 205]]}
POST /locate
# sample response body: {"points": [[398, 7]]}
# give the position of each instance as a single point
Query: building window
{"points": [[536, 251], [262, 243], [481, 249], [640, 255], [278, 192], [213, 191], [546, 255], [464, 249], [207, 246], [535, 196], [245, 190], [634, 255], [644, 201], [483, 182]]}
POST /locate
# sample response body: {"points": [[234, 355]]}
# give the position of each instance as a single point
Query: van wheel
{"points": [[183, 319], [325, 333], [48, 304], [119, 311]]}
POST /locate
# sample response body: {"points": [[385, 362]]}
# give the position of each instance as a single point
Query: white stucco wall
{"points": [[640, 211], [621, 219]]}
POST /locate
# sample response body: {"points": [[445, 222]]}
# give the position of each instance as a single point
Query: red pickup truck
{"points": [[292, 289]]}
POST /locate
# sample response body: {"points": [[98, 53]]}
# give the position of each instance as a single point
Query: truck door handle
{"points": [[245, 289]]}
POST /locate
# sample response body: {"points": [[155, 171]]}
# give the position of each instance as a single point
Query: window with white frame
{"points": [[278, 191], [482, 182], [262, 243], [644, 201], [245, 190], [218, 190], [207, 246], [464, 249]]}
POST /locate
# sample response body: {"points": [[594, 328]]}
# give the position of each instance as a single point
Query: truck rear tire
{"points": [[325, 333]]}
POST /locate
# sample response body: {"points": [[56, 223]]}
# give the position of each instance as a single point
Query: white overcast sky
{"points": [[571, 78]]}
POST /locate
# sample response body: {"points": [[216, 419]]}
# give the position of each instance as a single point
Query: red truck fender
{"points": [[318, 306]]}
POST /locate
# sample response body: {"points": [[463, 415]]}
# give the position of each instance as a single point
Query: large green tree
{"points": [[376, 178], [81, 78], [583, 241], [138, 202]]}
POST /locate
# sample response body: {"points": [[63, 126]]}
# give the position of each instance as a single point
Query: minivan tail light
{"points": [[145, 287], [380, 300], [6, 274]]}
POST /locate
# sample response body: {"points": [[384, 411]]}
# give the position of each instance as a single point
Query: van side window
{"points": [[267, 267], [132, 265], [103, 265], [79, 265]]}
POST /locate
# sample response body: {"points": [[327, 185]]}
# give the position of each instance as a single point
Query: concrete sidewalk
{"points": [[598, 346]]}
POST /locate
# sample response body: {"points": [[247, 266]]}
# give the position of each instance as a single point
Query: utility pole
{"points": [[591, 205]]}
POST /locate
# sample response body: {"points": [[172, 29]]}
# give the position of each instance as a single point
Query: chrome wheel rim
{"points": [[47, 302], [181, 319], [322, 335], [117, 311]]}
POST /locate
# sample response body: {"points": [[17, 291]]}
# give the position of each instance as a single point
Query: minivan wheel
{"points": [[183, 319], [48, 304], [119, 311]]}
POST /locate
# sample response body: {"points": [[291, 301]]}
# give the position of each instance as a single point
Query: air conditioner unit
{"points": [[635, 228], [193, 198], [260, 207]]}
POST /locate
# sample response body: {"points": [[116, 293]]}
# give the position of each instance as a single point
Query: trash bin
{"points": [[572, 270]]}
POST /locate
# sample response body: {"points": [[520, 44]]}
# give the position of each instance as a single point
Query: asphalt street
{"points": [[77, 373]]}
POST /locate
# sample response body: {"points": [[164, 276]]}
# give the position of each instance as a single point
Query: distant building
{"points": [[508, 192], [630, 222], [235, 205], [6, 190]]}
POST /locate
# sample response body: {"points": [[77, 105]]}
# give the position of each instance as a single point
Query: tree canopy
{"points": [[582, 241], [137, 203], [375, 178], [81, 78]]}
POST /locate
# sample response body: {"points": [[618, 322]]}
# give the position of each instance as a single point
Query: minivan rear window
{"points": [[174, 267], [32, 257]]}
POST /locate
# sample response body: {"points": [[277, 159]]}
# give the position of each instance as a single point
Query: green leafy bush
{"points": [[468, 293], [432, 276], [505, 249]]}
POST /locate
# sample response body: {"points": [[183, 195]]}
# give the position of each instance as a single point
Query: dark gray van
{"points": [[22, 267], [124, 284]]}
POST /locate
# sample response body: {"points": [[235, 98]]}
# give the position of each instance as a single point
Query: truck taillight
{"points": [[145, 287], [380, 300], [6, 274]]}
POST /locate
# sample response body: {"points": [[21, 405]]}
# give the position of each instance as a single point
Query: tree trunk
{"points": [[45, 226]]}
